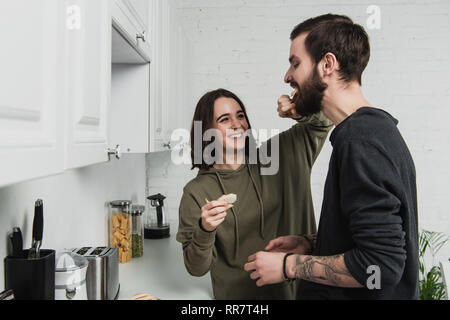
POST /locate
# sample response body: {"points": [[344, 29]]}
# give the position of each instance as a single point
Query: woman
{"points": [[219, 240]]}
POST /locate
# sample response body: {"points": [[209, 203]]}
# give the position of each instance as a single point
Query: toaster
{"points": [[102, 277]]}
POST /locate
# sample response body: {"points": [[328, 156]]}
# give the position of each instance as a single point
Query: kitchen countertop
{"points": [[161, 273]]}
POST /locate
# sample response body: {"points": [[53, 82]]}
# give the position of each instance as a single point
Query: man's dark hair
{"points": [[337, 34], [204, 112]]}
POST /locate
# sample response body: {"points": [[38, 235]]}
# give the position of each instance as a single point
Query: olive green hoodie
{"points": [[267, 206]]}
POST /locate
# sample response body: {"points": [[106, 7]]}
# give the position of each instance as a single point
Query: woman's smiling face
{"points": [[230, 120]]}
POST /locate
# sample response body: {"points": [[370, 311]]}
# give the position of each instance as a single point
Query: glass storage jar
{"points": [[137, 230], [120, 213]]}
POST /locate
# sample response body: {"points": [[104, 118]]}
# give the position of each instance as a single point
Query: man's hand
{"points": [[294, 244], [286, 108], [267, 267]]}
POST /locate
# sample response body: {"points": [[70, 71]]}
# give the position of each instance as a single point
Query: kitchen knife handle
{"points": [[38, 222], [17, 243]]}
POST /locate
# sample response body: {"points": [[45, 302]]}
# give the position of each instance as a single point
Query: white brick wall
{"points": [[243, 45]]}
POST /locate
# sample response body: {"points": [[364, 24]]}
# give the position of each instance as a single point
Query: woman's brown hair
{"points": [[204, 112]]}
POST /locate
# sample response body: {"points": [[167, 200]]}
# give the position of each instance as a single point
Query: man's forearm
{"points": [[329, 270]]}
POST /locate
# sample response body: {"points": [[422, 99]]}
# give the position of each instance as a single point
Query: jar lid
{"points": [[137, 210], [120, 203]]}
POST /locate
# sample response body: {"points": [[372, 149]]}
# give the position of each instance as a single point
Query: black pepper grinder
{"points": [[157, 225]]}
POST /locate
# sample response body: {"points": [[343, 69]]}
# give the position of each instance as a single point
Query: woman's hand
{"points": [[214, 213], [286, 108], [294, 244]]}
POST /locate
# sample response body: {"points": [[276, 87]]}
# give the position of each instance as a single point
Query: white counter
{"points": [[161, 273]]}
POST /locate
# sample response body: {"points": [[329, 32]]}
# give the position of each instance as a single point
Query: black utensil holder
{"points": [[31, 279]]}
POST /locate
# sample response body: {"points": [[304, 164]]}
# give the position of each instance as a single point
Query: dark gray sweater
{"points": [[369, 209]]}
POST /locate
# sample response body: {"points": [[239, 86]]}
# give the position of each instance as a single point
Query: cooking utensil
{"points": [[38, 228], [16, 243]]}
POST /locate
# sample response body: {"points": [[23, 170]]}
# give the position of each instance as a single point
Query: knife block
{"points": [[31, 279]]}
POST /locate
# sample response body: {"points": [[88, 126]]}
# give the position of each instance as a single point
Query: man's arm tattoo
{"points": [[325, 270]]}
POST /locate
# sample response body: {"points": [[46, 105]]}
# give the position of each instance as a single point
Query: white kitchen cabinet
{"points": [[88, 83], [165, 104], [129, 116], [137, 124], [31, 95], [130, 19], [130, 87], [144, 107], [57, 108]]}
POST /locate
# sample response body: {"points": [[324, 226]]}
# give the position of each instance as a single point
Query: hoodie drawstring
{"points": [[236, 227], [234, 213], [260, 204]]}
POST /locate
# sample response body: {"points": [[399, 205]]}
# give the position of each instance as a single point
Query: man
{"points": [[367, 242]]}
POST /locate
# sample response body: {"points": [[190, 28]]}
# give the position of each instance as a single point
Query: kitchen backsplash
{"points": [[169, 179], [75, 204]]}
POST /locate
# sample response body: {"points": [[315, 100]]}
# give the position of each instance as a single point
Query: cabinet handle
{"points": [[141, 36], [167, 145], [114, 152], [70, 293]]}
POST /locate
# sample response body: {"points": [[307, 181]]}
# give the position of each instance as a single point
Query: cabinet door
{"points": [[142, 9], [130, 18], [165, 104], [88, 82], [129, 118], [31, 100]]}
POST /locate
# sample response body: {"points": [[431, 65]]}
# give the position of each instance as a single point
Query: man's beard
{"points": [[310, 95]]}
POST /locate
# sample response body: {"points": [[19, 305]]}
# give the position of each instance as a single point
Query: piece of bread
{"points": [[294, 95], [143, 296], [230, 198]]}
